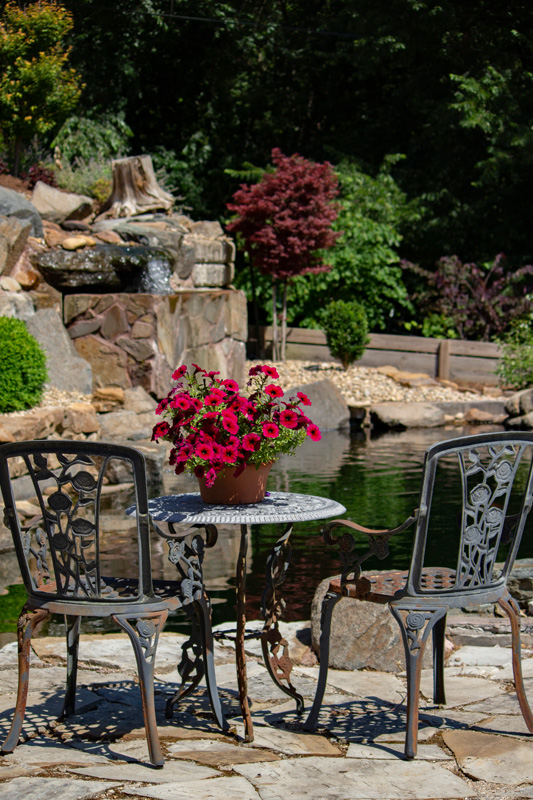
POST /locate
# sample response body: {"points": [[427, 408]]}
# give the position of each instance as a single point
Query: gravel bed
{"points": [[365, 385]]}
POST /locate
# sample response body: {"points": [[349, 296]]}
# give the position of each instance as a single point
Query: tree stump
{"points": [[135, 189]]}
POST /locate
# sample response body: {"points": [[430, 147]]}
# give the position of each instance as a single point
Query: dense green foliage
{"points": [[516, 365], [365, 260], [346, 328], [22, 366], [37, 89]]}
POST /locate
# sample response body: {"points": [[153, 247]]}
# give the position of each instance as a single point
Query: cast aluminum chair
{"points": [[493, 499], [59, 555]]}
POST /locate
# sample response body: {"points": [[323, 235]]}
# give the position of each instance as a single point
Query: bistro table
{"points": [[277, 507]]}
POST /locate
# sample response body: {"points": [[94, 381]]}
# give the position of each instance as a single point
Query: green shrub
{"points": [[91, 178], [346, 328], [22, 367], [516, 365]]}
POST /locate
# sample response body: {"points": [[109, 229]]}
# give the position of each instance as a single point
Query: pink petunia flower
{"points": [[229, 454], [199, 471], [159, 430], [270, 430], [273, 390], [162, 405], [182, 402], [270, 371], [251, 442], [288, 418], [196, 403], [304, 398], [313, 431], [255, 371], [179, 373], [213, 400], [210, 477], [204, 450], [231, 385], [230, 425]]}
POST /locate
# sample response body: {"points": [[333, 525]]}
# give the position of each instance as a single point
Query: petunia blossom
{"points": [[289, 418], [313, 431], [273, 390], [304, 399], [270, 430]]}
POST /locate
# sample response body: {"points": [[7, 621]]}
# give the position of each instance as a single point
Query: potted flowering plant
{"points": [[227, 438]]}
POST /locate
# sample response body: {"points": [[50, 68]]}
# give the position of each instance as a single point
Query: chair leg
{"points": [[509, 605], [439, 636], [144, 638], [208, 647], [26, 624], [72, 625], [328, 604], [415, 626]]}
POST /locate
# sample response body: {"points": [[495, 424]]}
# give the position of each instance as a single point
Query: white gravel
{"points": [[366, 385]]}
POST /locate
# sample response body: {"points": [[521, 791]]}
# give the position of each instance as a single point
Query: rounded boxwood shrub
{"points": [[346, 327], [22, 366]]}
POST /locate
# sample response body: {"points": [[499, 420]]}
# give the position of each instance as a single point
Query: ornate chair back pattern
{"points": [[59, 551], [488, 474]]}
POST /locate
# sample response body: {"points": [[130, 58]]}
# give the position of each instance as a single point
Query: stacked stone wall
{"points": [[139, 339]]}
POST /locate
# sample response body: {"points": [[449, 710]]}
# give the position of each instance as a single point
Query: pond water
{"points": [[376, 478]]}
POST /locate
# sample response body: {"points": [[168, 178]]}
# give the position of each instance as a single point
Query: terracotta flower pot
{"points": [[248, 487]]}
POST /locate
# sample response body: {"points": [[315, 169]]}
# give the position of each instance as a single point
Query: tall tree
{"points": [[37, 88], [285, 222]]}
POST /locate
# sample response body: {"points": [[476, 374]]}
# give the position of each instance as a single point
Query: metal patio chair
{"points": [[59, 552], [493, 496]]}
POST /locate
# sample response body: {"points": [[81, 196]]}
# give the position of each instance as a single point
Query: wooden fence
{"points": [[450, 359]]}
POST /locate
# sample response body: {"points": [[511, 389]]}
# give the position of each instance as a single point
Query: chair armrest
{"points": [[377, 543]]}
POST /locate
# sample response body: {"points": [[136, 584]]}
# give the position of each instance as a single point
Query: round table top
{"points": [[276, 507]]}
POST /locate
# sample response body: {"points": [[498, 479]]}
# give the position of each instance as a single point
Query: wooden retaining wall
{"points": [[450, 359]]}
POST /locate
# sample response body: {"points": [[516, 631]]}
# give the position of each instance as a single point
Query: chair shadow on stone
{"points": [[485, 482], [59, 550]]}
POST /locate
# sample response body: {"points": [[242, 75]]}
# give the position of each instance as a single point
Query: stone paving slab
{"points": [[362, 683], [212, 753], [497, 759], [353, 779], [114, 652], [231, 788], [172, 771], [390, 751], [48, 752], [53, 788], [462, 691]]}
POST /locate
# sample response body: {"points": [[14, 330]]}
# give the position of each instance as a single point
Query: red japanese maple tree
{"points": [[285, 221]]}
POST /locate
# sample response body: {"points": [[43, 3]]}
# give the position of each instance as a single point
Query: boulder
{"points": [[16, 304], [80, 418], [40, 424], [519, 403], [138, 400], [125, 425], [406, 415], [329, 409], [363, 635], [103, 268], [520, 581], [13, 236], [57, 206], [66, 370], [14, 204]]}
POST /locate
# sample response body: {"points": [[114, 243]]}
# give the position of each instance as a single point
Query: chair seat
{"points": [[383, 586], [174, 593]]}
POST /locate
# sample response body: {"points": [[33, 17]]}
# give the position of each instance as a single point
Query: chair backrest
{"points": [[59, 546], [495, 476]]}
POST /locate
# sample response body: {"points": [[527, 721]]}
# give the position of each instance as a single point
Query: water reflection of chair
{"points": [[60, 553], [494, 499]]}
